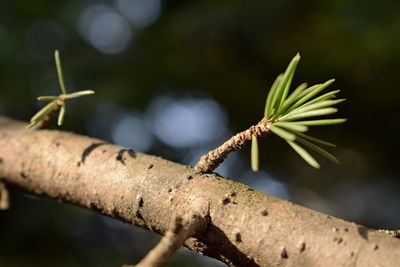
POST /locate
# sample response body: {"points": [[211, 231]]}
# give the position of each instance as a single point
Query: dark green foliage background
{"points": [[232, 51]]}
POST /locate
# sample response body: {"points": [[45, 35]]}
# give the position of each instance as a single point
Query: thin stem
{"points": [[180, 230], [212, 159]]}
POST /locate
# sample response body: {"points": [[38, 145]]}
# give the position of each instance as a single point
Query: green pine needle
{"points": [[316, 148], [308, 90], [319, 105], [311, 113], [31, 124], [291, 126], [293, 96], [79, 94], [254, 154], [290, 114], [47, 98], [319, 122], [282, 133], [304, 154], [312, 93], [61, 115], [44, 111], [323, 97], [268, 103], [59, 72], [313, 139], [57, 102], [287, 79]]}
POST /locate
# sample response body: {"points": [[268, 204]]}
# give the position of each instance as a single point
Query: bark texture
{"points": [[246, 227], [212, 159]]}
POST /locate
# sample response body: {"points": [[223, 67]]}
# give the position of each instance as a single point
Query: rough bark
{"points": [[246, 227], [212, 159]]}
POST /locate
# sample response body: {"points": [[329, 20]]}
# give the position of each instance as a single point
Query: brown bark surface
{"points": [[247, 227], [212, 159]]}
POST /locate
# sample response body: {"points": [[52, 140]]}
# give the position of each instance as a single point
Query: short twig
{"points": [[212, 159], [4, 197], [181, 229]]}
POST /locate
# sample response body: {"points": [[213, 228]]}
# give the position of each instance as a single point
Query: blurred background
{"points": [[176, 79]]}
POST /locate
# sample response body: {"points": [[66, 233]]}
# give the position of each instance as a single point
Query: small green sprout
{"points": [[285, 114], [57, 102]]}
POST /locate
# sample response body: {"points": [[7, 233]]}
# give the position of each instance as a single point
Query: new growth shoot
{"points": [[58, 103], [288, 116]]}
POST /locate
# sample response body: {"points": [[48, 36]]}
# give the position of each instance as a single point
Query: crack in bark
{"points": [[120, 155], [89, 150]]}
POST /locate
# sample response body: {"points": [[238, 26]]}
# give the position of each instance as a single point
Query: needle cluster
{"points": [[289, 115], [56, 102]]}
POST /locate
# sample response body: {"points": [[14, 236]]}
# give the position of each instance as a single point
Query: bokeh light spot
{"points": [[131, 131], [141, 13], [105, 29], [186, 122], [98, 124]]}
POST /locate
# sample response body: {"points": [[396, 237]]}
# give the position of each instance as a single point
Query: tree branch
{"points": [[247, 227], [180, 230]]}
